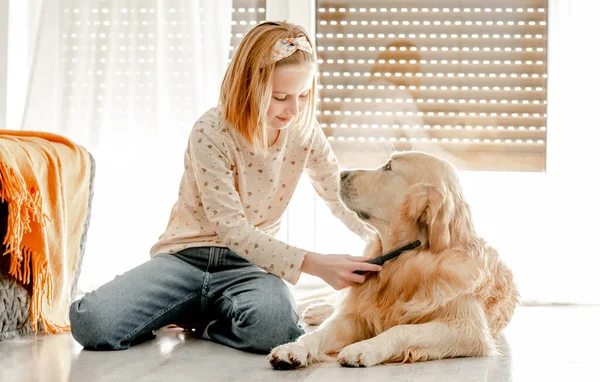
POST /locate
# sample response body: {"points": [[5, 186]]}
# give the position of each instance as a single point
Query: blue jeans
{"points": [[248, 308]]}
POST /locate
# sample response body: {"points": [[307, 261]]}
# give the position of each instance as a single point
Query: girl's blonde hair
{"points": [[246, 90]]}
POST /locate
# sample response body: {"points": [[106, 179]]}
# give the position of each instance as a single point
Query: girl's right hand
{"points": [[338, 270]]}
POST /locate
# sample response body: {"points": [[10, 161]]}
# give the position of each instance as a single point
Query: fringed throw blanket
{"points": [[44, 180]]}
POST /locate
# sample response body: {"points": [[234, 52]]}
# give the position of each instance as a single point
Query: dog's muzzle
{"points": [[348, 194]]}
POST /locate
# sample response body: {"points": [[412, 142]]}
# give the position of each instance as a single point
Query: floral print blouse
{"points": [[231, 196]]}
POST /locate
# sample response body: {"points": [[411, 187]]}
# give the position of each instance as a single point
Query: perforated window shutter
{"points": [[245, 15], [458, 79]]}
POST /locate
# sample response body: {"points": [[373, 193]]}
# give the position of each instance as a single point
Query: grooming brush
{"points": [[379, 260]]}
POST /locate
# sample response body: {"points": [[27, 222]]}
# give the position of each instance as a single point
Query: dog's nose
{"points": [[344, 175]]}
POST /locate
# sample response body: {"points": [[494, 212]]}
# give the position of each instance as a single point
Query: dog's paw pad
{"points": [[287, 364], [358, 355], [346, 363], [288, 357]]}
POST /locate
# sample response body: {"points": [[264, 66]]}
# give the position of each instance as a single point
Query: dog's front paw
{"points": [[360, 354], [317, 313], [289, 356]]}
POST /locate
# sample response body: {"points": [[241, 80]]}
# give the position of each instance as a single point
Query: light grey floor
{"points": [[541, 344]]}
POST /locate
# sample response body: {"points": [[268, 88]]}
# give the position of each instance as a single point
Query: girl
{"points": [[218, 261]]}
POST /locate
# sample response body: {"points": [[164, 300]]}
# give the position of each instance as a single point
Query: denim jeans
{"points": [[248, 308]]}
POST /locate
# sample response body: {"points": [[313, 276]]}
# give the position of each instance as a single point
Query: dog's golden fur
{"points": [[450, 297]]}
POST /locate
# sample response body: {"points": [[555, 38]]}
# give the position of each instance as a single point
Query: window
{"points": [[458, 79], [245, 14]]}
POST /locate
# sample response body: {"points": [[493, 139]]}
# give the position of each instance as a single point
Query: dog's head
{"points": [[413, 195]]}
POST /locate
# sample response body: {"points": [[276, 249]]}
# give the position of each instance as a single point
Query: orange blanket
{"points": [[44, 179]]}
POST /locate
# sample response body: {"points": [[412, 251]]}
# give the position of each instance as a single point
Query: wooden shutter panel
{"points": [[455, 78], [245, 15]]}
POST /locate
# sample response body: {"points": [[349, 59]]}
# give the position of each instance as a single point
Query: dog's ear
{"points": [[432, 207]]}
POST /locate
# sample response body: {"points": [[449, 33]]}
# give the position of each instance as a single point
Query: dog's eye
{"points": [[387, 166]]}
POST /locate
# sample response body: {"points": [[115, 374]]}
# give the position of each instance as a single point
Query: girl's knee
{"points": [[94, 329]]}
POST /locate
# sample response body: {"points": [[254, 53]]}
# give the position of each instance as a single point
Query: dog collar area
{"points": [[379, 260]]}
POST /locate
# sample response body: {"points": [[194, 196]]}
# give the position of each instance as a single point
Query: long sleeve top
{"points": [[231, 196]]}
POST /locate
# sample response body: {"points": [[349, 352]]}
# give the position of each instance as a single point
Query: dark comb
{"points": [[379, 260]]}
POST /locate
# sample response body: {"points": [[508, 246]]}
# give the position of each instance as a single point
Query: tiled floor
{"points": [[541, 344]]}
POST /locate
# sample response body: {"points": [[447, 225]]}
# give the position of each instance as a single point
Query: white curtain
{"points": [[127, 79]]}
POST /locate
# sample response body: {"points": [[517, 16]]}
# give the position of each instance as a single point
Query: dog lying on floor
{"points": [[450, 297]]}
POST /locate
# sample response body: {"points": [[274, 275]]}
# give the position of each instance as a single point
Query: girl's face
{"points": [[291, 86]]}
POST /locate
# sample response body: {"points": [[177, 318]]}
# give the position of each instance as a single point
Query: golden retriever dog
{"points": [[450, 297]]}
